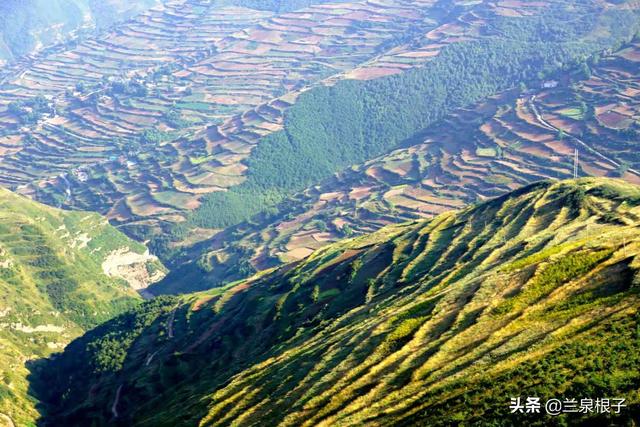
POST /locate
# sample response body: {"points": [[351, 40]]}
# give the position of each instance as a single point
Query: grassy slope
{"points": [[434, 322], [52, 288]]}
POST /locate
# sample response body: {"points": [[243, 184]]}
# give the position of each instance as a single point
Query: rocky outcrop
{"points": [[139, 270]]}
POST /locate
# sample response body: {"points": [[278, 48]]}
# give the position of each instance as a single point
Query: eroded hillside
{"points": [[53, 287]]}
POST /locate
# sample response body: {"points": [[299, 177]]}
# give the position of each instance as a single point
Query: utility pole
{"points": [[576, 163]]}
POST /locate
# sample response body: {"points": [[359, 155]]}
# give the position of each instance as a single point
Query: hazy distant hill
{"points": [[61, 273], [27, 25], [437, 322]]}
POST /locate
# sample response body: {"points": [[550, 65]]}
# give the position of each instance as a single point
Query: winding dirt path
{"points": [[150, 358], [170, 320], [545, 124], [114, 407]]}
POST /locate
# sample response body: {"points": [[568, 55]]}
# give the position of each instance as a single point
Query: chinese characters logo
{"points": [[554, 407]]}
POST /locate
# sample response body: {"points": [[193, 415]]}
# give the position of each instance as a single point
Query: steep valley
{"points": [[28, 26]]}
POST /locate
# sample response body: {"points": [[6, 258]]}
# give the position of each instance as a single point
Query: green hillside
{"points": [[54, 285], [434, 322]]}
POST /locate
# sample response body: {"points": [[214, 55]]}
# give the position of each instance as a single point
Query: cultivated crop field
{"points": [[127, 117], [474, 154], [144, 122]]}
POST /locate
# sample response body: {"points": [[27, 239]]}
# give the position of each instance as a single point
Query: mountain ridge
{"points": [[376, 329]]}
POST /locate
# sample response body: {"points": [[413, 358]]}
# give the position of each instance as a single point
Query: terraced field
{"points": [[499, 145], [33, 27], [84, 126], [126, 128], [437, 322], [219, 63]]}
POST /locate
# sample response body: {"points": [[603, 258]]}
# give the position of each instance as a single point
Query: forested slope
{"points": [[58, 278], [434, 322], [330, 128], [205, 111], [480, 151]]}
